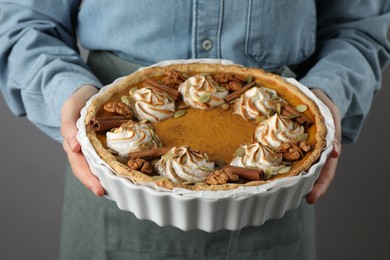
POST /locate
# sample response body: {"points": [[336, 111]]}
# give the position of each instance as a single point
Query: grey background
{"points": [[352, 219]]}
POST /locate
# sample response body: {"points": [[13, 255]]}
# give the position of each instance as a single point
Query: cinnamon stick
{"points": [[149, 154], [239, 92], [106, 123], [170, 91], [245, 173], [288, 110]]}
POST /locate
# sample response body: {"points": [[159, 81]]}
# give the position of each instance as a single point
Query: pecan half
{"points": [[221, 177], [119, 108], [292, 155], [234, 85], [291, 152], [223, 77], [284, 147], [141, 165], [304, 146], [229, 81], [173, 79]]}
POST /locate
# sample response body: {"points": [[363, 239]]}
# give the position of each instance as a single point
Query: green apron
{"points": [[94, 228]]}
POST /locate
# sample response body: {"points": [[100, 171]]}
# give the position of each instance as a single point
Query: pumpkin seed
{"points": [[179, 113], [168, 156], [205, 168], [170, 99], [220, 88], [225, 106], [292, 116], [268, 173], [133, 90], [278, 108], [143, 121], [240, 152], [125, 99], [146, 146], [284, 169], [303, 137], [150, 126], [189, 183], [301, 108], [204, 98], [259, 119], [249, 79]]}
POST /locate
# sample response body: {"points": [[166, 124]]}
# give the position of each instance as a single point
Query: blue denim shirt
{"points": [[338, 46]]}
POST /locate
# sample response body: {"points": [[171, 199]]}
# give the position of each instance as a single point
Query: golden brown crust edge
{"points": [[267, 79]]}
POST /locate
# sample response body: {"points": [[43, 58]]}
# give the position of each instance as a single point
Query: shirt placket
{"points": [[207, 22]]}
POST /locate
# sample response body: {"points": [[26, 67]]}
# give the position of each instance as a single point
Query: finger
{"points": [[80, 169], [336, 151], [68, 125], [69, 133], [324, 180]]}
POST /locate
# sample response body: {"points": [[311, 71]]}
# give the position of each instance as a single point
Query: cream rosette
{"points": [[258, 156], [131, 137], [202, 92], [152, 104], [182, 164], [255, 102], [277, 130]]}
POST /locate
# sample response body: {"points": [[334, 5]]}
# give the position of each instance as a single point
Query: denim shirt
{"points": [[338, 46]]}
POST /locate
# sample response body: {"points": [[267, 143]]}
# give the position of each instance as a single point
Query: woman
{"points": [[338, 48]]}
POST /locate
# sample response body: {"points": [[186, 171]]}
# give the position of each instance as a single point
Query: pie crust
{"points": [[289, 92]]}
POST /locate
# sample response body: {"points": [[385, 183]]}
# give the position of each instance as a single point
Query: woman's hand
{"points": [[70, 113], [329, 170]]}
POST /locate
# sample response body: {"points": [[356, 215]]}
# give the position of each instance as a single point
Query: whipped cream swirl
{"points": [[257, 101], [259, 156], [277, 130], [202, 92], [153, 105], [131, 137], [182, 164]]}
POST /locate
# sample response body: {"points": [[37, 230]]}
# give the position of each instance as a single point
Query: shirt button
{"points": [[207, 45]]}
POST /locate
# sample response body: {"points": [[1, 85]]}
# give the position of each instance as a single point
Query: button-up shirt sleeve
{"points": [[353, 49], [39, 64]]}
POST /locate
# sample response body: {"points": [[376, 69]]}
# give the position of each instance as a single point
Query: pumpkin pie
{"points": [[201, 126]]}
